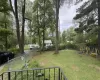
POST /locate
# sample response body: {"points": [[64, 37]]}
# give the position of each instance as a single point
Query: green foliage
{"points": [[64, 35], [87, 30], [12, 41], [14, 50], [4, 32], [33, 64], [43, 20], [70, 34], [83, 10], [5, 24], [79, 38], [4, 6], [62, 47], [71, 46]]}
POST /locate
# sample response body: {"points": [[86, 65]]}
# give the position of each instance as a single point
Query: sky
{"points": [[66, 15]]}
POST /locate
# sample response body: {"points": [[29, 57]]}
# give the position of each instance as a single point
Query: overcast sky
{"points": [[66, 16]]}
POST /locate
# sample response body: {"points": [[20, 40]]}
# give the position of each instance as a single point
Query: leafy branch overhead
{"points": [[87, 16], [4, 31]]}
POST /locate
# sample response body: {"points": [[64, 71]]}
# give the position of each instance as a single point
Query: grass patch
{"points": [[75, 66], [33, 64]]}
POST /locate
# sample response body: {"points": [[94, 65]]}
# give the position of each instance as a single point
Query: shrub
{"points": [[61, 47], [14, 50], [93, 55], [71, 46]]}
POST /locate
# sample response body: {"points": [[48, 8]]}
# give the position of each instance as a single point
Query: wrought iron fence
{"points": [[51, 73]]}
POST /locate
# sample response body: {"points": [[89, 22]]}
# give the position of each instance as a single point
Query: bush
{"points": [[93, 55], [14, 50], [71, 46], [61, 47]]}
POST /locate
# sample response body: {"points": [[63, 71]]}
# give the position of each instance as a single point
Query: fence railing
{"points": [[51, 73]]}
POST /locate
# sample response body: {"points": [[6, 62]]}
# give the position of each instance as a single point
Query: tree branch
{"points": [[12, 7]]}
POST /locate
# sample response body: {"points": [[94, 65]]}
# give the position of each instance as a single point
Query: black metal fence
{"points": [[51, 73]]}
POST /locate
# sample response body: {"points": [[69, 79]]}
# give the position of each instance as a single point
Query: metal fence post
{"points": [[8, 75], [59, 74], [2, 76]]}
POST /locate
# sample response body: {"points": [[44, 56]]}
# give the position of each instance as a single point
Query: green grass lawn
{"points": [[74, 65]]}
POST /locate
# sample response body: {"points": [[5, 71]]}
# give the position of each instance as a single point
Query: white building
{"points": [[48, 43]]}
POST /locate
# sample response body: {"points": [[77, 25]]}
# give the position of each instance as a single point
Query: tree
{"points": [[89, 16], [4, 33], [23, 26], [98, 2], [43, 19], [69, 35], [5, 22], [57, 27], [64, 35], [20, 37], [57, 4]]}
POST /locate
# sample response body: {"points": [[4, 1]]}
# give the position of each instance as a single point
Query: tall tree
{"points": [[5, 21], [57, 26], [44, 3], [23, 26], [43, 18], [98, 2], [57, 4], [20, 36], [90, 18]]}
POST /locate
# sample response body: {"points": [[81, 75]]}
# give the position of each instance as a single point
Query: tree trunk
{"points": [[39, 36], [57, 34], [15, 12], [44, 28], [43, 38], [23, 26], [39, 39], [6, 41], [99, 27], [17, 25]]}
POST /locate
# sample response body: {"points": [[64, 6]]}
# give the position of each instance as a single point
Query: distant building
{"points": [[48, 43]]}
